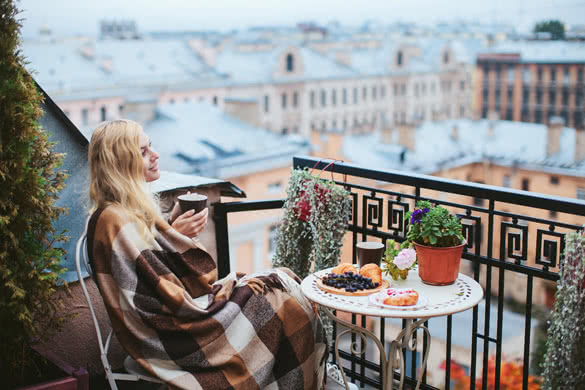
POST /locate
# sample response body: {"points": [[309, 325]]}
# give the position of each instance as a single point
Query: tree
{"points": [[30, 181], [554, 27]]}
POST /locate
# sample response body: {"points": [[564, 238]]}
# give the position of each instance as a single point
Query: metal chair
{"points": [[134, 371]]}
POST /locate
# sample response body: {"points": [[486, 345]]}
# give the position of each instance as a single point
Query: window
{"points": [[382, 92], [84, 116], [275, 187], [295, 99], [284, 131], [323, 98], [172, 101], [374, 93], [554, 180], [539, 73], [283, 97], [399, 58], [580, 75], [333, 97], [462, 110], [312, 99], [355, 96], [566, 77], [462, 85], [507, 181], [553, 74], [525, 95], [538, 96], [215, 100], [433, 89], [526, 75], [272, 238], [552, 97], [290, 63], [509, 114], [364, 93], [120, 109], [266, 103], [403, 90], [103, 113], [510, 74], [565, 97], [446, 57], [581, 193], [344, 95], [510, 95], [416, 89], [395, 90], [525, 184]]}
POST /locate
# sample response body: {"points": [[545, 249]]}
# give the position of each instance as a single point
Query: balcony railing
{"points": [[510, 236]]}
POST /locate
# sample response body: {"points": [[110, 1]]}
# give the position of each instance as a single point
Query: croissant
{"points": [[372, 271], [343, 268]]}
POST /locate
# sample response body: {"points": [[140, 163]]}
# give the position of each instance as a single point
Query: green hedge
{"points": [[30, 181]]}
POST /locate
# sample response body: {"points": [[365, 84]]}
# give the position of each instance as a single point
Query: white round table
{"points": [[464, 294]]}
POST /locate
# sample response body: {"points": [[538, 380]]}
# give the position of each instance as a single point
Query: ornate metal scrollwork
{"points": [[374, 207], [548, 251], [514, 245], [396, 222]]}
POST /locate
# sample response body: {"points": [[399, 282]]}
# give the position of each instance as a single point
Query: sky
{"points": [[81, 17]]}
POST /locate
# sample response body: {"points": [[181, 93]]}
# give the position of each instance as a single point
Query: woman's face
{"points": [[149, 158]]}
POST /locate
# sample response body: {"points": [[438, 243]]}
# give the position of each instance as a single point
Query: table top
{"points": [[464, 294]]}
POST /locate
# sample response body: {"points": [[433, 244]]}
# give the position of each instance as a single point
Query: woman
{"points": [[160, 286]]}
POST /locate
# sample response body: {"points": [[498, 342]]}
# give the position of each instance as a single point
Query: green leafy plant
{"points": [[405, 255], [564, 360], [30, 183], [433, 226]]}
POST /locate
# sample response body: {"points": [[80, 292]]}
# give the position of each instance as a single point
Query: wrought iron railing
{"points": [[508, 232]]}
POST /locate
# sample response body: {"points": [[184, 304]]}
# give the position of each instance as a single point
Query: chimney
{"points": [[406, 135], [244, 109], [208, 54], [386, 133], [455, 132], [343, 57], [553, 135], [579, 144]]}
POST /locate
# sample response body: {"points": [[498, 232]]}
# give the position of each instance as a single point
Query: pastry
{"points": [[401, 297], [343, 268], [373, 272]]}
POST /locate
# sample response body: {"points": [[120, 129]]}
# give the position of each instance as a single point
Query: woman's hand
{"points": [[188, 223]]}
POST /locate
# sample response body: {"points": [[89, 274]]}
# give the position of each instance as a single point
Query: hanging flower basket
{"points": [[316, 214]]}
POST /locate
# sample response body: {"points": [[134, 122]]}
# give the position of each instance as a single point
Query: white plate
{"points": [[377, 299]]}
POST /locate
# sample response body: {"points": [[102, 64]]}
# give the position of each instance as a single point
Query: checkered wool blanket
{"points": [[180, 323]]}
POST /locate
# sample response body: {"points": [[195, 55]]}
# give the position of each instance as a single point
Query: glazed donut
{"points": [[343, 268], [401, 297], [372, 271]]}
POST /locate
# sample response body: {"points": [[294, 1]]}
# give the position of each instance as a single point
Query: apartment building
{"points": [[532, 82]]}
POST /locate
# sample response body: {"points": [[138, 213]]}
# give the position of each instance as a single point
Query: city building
{"points": [[532, 82]]}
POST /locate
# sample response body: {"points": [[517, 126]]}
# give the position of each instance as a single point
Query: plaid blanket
{"points": [[180, 323]]}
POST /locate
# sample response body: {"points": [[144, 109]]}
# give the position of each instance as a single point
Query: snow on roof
{"points": [[544, 52], [435, 147], [191, 134], [262, 66], [106, 64]]}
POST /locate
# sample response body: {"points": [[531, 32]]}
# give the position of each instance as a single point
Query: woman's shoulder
{"points": [[112, 215]]}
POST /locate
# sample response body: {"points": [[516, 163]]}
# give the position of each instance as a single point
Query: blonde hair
{"points": [[116, 172]]}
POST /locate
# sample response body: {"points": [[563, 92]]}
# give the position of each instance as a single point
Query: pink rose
{"points": [[405, 259]]}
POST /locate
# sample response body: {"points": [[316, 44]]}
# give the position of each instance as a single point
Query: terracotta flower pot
{"points": [[438, 266]]}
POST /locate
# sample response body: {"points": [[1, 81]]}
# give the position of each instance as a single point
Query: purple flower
{"points": [[417, 215]]}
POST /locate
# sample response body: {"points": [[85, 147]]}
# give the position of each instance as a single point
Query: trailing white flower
{"points": [[564, 361]]}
